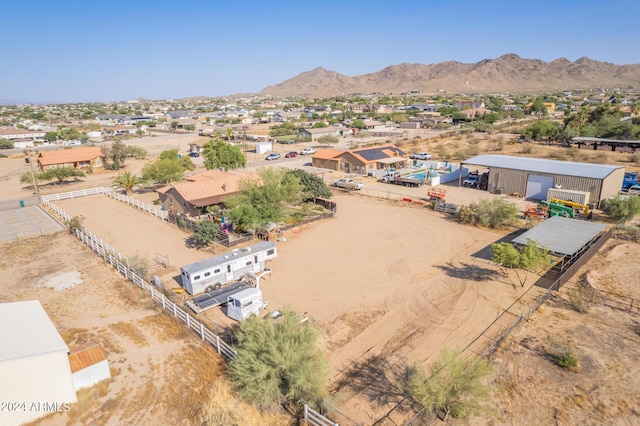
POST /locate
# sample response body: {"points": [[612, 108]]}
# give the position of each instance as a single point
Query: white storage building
{"points": [[34, 364]]}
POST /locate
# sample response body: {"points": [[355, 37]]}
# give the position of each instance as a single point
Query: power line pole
{"points": [[33, 177]]}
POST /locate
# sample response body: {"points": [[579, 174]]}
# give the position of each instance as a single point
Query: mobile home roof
{"points": [[225, 257], [567, 168]]}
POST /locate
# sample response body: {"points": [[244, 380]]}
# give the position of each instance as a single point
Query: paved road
{"points": [[15, 204]]}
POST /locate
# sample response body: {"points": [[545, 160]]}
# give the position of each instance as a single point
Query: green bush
{"points": [[493, 213], [566, 358]]}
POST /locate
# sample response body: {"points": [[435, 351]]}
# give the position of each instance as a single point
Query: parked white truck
{"points": [[395, 178]]}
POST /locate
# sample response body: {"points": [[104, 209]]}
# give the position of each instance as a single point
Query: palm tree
{"points": [[228, 133], [127, 180]]}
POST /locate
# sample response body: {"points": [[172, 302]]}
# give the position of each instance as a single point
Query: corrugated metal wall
{"points": [[91, 375], [511, 181], [612, 184]]}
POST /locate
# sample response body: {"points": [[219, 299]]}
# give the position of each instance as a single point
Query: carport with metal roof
{"points": [[567, 238]]}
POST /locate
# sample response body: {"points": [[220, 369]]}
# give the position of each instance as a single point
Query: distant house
{"points": [[21, 134], [315, 134], [469, 103], [34, 364], [361, 161], [200, 191], [90, 156], [120, 130]]}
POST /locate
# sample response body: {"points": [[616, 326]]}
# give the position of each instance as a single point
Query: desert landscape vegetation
{"points": [[386, 284]]}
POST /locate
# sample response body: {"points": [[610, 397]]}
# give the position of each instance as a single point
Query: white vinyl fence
{"points": [[121, 264]]}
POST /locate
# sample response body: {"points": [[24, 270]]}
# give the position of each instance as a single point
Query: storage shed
{"points": [[532, 177], [89, 365], [34, 364]]}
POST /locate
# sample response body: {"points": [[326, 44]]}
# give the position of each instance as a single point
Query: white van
{"points": [[634, 190]]}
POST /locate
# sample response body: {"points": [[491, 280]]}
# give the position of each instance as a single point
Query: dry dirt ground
{"points": [[161, 372], [386, 284]]}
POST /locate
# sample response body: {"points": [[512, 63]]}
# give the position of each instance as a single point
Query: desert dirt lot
{"points": [[386, 284], [381, 280]]}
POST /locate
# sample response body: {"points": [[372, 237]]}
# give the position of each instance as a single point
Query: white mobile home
{"points": [[242, 305], [212, 273]]}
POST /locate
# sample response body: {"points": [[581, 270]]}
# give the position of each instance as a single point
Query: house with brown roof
{"points": [[83, 157], [361, 161], [193, 196]]}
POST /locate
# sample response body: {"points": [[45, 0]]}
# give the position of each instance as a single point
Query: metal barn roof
{"points": [[568, 168], [561, 235], [27, 331]]}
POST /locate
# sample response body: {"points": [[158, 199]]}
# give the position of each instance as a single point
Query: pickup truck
{"points": [[471, 181], [395, 178], [308, 151]]}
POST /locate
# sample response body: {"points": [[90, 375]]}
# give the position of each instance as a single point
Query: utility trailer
{"points": [[245, 303], [225, 294], [213, 273], [395, 178]]}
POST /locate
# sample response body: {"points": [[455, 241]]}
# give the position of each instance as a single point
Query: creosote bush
{"points": [[493, 213]]}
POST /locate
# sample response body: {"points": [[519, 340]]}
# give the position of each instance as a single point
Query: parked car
{"points": [[348, 184], [471, 181], [291, 154], [308, 151], [272, 156], [194, 154], [420, 156]]}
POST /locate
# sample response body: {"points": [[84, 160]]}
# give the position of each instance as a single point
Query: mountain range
{"points": [[508, 73]]}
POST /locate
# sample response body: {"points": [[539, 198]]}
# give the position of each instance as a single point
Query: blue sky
{"points": [[82, 51]]}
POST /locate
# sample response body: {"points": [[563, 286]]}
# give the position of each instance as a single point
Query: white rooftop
{"points": [[27, 330]]}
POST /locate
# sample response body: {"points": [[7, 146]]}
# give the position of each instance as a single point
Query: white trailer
{"points": [[245, 303], [212, 273]]}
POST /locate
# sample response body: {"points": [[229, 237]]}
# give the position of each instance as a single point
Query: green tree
{"points": [[228, 132], [115, 155], [542, 129], [314, 186], [51, 136], [492, 213], [69, 133], [174, 155], [619, 208], [219, 154], [60, 173], [174, 125], [328, 140], [454, 386], [319, 125], [278, 362], [163, 171], [358, 124], [204, 232], [189, 127], [527, 258], [263, 200], [127, 181], [6, 144], [284, 129]]}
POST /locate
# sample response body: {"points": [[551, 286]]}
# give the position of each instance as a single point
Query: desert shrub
{"points": [[459, 155], [619, 208], [600, 157], [139, 265], [566, 358], [527, 149], [492, 213], [454, 386], [74, 223], [558, 154], [581, 297], [278, 362], [443, 153], [472, 150]]}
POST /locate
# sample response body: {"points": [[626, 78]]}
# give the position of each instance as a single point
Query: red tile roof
{"points": [[73, 155]]}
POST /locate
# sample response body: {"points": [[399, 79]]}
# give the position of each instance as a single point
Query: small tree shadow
{"points": [[467, 271], [377, 378]]}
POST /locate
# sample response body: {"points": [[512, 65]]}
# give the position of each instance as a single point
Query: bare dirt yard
{"points": [[381, 281], [161, 372], [387, 284]]}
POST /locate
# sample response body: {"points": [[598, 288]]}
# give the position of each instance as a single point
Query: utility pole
{"points": [[33, 177]]}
